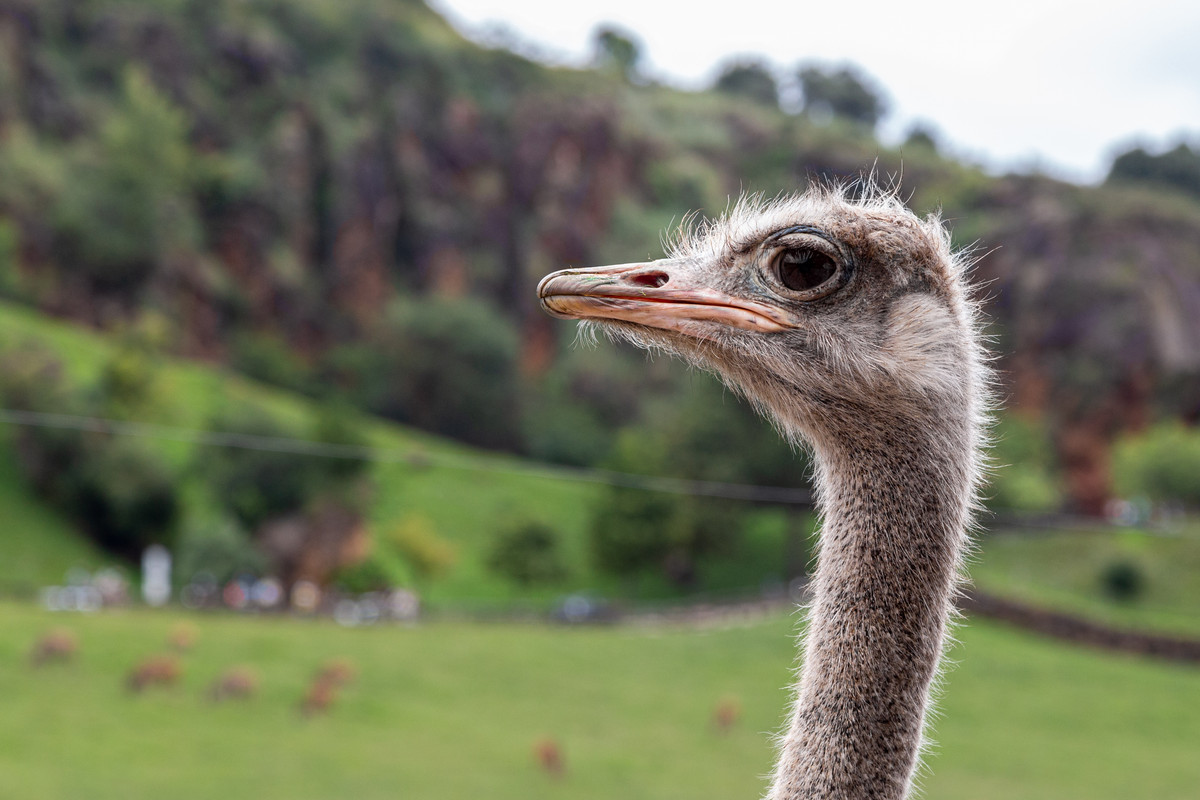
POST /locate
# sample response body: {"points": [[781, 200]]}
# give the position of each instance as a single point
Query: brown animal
{"points": [[235, 683], [319, 697], [334, 675], [182, 637], [154, 671], [549, 756], [727, 714], [339, 672], [848, 322], [57, 646]]}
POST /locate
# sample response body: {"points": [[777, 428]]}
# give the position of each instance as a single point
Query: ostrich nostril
{"points": [[651, 280]]}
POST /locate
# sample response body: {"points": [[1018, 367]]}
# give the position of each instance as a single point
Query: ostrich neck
{"points": [[895, 497]]}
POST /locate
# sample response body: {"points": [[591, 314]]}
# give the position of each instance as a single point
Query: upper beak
{"points": [[660, 294]]}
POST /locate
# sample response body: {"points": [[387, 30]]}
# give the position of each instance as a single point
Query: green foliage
{"points": [[219, 547], [1023, 477], [119, 490], [637, 530], [267, 478], [373, 574], [751, 79], [266, 357], [844, 92], [1163, 463], [451, 367], [528, 553], [125, 496], [1123, 581], [9, 250], [616, 50], [922, 136], [1178, 168], [128, 205], [429, 555]]}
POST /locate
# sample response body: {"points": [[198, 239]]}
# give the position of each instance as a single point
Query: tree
{"points": [[451, 367], [752, 79], [845, 93], [528, 553], [616, 50], [129, 203], [1178, 168]]}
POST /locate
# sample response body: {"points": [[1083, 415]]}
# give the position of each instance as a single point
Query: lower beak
{"points": [[658, 295]]}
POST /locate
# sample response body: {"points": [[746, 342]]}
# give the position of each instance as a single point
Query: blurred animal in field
{"points": [[235, 683], [182, 637], [847, 321], [159, 670], [55, 647], [338, 672], [325, 687], [727, 714], [549, 755]]}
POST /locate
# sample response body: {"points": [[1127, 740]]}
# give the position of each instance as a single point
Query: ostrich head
{"points": [[826, 312]]}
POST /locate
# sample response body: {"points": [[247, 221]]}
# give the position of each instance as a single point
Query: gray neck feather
{"points": [[895, 494]]}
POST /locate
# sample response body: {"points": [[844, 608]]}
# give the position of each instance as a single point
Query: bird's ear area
{"points": [[916, 346], [667, 294]]}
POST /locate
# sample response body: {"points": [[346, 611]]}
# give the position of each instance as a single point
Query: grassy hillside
{"points": [[466, 496], [1065, 569], [452, 711], [467, 503]]}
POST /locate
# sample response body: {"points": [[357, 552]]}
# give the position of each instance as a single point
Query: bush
{"points": [[429, 555], [1123, 581], [1024, 478], [453, 369], [125, 496], [751, 79], [121, 493], [845, 93], [528, 553], [220, 548], [259, 483], [1163, 464]]}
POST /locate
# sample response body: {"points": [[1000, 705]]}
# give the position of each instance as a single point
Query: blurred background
{"points": [[302, 496]]}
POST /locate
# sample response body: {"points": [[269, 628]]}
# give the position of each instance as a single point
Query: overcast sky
{"points": [[1008, 84]]}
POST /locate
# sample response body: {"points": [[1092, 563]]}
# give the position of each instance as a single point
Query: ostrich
{"points": [[847, 322]]}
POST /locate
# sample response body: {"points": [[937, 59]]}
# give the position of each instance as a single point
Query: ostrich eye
{"points": [[803, 270]]}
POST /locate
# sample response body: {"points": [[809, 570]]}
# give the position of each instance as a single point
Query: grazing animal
{"points": [[154, 671], [319, 697], [727, 714], [848, 322], [549, 755], [338, 672], [235, 683], [182, 637], [57, 646], [326, 684]]}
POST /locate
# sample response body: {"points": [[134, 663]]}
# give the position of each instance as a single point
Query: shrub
{"points": [[1123, 581], [1023, 479], [1163, 464], [221, 548], [528, 553], [427, 553], [453, 370]]}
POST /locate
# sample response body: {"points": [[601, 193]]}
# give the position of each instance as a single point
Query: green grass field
{"points": [[454, 710], [1063, 570]]}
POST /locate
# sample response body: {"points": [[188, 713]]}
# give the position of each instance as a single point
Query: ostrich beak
{"points": [[659, 294]]}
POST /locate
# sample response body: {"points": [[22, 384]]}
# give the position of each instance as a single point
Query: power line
{"points": [[416, 457]]}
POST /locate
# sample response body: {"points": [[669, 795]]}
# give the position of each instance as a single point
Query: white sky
{"points": [[1010, 84]]}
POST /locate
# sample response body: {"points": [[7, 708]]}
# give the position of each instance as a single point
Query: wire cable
{"points": [[413, 456]]}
